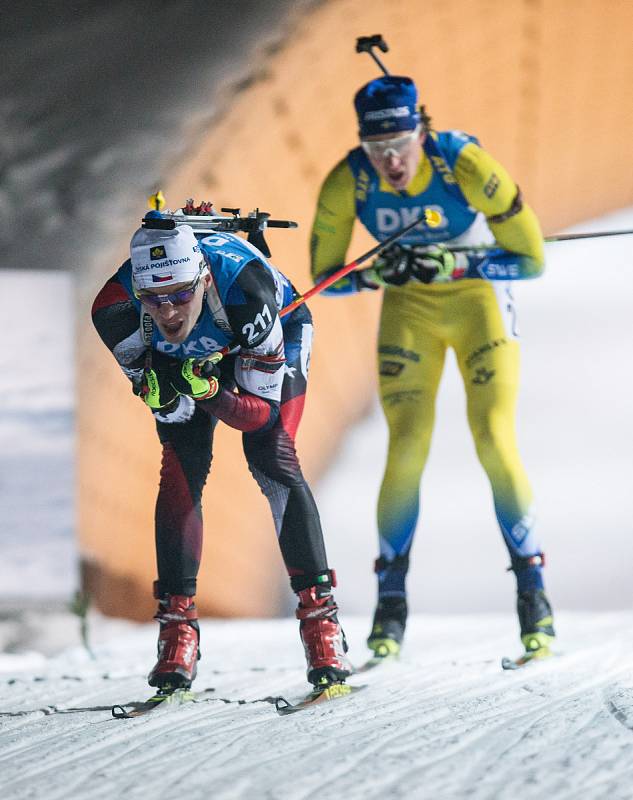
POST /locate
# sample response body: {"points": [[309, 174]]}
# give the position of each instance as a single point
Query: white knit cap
{"points": [[162, 258]]}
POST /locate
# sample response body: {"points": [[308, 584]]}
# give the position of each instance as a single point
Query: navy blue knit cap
{"points": [[386, 105]]}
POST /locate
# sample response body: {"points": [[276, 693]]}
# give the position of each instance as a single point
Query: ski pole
{"points": [[566, 237], [561, 237], [431, 219]]}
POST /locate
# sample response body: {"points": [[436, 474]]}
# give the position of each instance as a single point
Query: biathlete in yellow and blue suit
{"points": [[435, 299]]}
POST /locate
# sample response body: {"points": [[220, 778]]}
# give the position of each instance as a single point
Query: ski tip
{"points": [[281, 704], [135, 710]]}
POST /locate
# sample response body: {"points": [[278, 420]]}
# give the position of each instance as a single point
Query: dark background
{"points": [[97, 103]]}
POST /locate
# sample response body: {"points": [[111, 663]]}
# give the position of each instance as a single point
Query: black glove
{"points": [[162, 382], [432, 263], [425, 263], [391, 267]]}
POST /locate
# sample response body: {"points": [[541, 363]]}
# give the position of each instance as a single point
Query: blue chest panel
{"points": [[227, 255], [385, 213], [205, 338]]}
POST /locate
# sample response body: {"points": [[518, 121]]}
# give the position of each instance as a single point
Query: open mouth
{"points": [[396, 177], [172, 328]]}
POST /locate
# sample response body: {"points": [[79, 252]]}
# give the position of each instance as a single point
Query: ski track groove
{"points": [[492, 724], [477, 721], [198, 748], [445, 728], [81, 752], [577, 698], [154, 722], [155, 750]]}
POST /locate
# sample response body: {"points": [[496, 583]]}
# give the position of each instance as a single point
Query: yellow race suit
{"points": [[476, 202]]}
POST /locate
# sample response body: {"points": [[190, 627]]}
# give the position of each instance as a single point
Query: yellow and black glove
{"points": [[165, 379], [198, 378], [431, 263], [154, 386]]}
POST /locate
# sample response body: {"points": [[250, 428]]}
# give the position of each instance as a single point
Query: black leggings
{"points": [[273, 462]]}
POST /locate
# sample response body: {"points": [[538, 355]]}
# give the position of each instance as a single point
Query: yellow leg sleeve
{"points": [[488, 359], [410, 363]]}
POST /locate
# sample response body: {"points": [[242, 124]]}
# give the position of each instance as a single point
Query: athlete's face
{"points": [[179, 310], [395, 157]]}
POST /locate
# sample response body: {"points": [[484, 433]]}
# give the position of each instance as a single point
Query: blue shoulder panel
{"points": [[448, 144]]}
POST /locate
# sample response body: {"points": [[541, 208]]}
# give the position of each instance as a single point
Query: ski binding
{"points": [[319, 695], [165, 696]]}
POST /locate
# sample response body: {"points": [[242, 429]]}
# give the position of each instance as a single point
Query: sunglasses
{"points": [[179, 298], [381, 148]]}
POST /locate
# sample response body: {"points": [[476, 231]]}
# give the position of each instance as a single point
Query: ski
{"points": [[376, 661], [178, 697], [528, 657], [319, 695], [163, 697]]}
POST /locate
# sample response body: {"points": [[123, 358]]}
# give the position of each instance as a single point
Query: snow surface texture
{"points": [[444, 723]]}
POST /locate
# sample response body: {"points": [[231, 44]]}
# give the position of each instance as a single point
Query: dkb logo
{"points": [[390, 220]]}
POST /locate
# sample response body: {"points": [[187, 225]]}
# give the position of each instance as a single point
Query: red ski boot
{"points": [[323, 639], [178, 643]]}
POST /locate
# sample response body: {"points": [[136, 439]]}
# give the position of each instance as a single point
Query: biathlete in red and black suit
{"points": [[178, 300]]}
